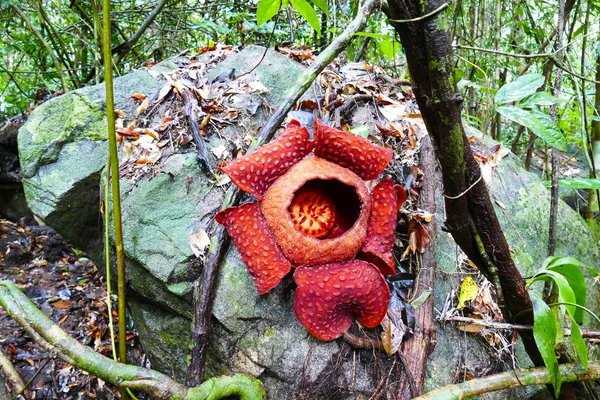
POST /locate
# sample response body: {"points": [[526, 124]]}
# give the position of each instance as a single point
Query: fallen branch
{"points": [[160, 386], [13, 378], [514, 378], [204, 286], [586, 333], [207, 163], [416, 349]]}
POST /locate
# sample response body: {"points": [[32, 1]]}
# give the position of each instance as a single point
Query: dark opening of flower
{"points": [[325, 208]]}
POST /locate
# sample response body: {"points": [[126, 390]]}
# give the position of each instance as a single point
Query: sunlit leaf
{"points": [[538, 122], [544, 333], [578, 183], [322, 4], [468, 292], [524, 86], [308, 12], [360, 130], [539, 99], [267, 9], [565, 292]]}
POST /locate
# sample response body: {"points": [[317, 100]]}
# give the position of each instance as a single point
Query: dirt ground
{"points": [[68, 288]]}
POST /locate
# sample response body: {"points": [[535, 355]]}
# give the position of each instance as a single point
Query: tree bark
{"points": [[470, 215], [416, 350]]}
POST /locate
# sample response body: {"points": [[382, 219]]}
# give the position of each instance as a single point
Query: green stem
{"points": [[511, 379], [116, 191]]}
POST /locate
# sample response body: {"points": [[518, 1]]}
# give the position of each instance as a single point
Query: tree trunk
{"points": [[470, 215]]}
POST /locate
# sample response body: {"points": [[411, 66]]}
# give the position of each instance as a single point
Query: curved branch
{"points": [[22, 310], [124, 48], [514, 378], [160, 386]]}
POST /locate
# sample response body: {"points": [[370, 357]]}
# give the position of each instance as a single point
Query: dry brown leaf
{"points": [[61, 304], [199, 243], [144, 106], [138, 96], [470, 328]]}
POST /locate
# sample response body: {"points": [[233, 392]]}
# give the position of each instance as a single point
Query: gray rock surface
{"points": [[63, 151]]}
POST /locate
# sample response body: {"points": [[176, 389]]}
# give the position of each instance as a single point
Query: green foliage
{"points": [[526, 112], [544, 333], [524, 86], [267, 9], [568, 280], [308, 12], [578, 183], [538, 122]]}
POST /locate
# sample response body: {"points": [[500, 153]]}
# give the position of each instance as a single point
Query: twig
{"points": [[514, 378], [586, 333], [207, 163], [204, 286], [422, 17], [122, 49], [38, 35], [466, 190], [358, 342]]}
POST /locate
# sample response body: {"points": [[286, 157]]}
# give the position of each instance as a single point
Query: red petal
{"points": [[330, 296], [255, 172], [379, 244], [256, 244], [358, 154], [401, 194]]}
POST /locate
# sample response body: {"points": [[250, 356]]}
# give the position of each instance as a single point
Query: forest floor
{"points": [[68, 288]]}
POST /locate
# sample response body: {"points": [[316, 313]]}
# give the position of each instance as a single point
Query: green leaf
{"points": [[579, 344], [267, 9], [544, 333], [565, 292], [576, 281], [539, 99], [573, 261], [421, 299], [373, 35], [524, 86], [308, 12], [388, 48], [323, 6], [360, 130], [580, 183], [538, 122]]}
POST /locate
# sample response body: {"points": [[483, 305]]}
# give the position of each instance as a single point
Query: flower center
{"points": [[324, 209], [313, 212]]}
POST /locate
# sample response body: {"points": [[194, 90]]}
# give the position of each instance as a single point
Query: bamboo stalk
{"points": [[116, 191]]}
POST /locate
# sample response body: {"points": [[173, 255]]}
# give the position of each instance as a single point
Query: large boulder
{"points": [[63, 151]]}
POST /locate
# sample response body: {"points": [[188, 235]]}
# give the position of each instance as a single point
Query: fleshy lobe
{"points": [[330, 296], [378, 247], [255, 172], [256, 244], [350, 151]]}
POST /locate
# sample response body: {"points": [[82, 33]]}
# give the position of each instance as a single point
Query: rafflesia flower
{"points": [[316, 213]]}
